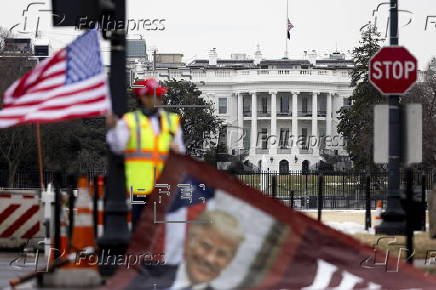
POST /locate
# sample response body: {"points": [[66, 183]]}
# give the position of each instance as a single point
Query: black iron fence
{"points": [[340, 190]]}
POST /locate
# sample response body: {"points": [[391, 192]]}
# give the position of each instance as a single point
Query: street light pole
{"points": [[116, 235], [394, 218]]}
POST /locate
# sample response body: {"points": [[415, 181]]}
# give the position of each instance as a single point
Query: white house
{"points": [[281, 111]]}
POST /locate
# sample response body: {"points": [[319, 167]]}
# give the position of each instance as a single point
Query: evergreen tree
{"points": [[356, 121], [200, 124]]}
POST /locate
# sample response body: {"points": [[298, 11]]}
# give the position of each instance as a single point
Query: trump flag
{"points": [[70, 84], [203, 229]]}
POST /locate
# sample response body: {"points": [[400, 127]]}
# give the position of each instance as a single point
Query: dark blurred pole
{"points": [[274, 186], [394, 217], [95, 204], [292, 199], [423, 201], [40, 158], [57, 215], [410, 211], [368, 202], [320, 195], [116, 235], [71, 184]]}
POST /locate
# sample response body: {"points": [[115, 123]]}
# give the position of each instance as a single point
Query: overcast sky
{"points": [[193, 27]]}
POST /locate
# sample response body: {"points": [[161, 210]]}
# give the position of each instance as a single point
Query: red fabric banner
{"points": [[203, 229]]}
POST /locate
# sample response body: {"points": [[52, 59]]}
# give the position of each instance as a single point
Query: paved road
{"points": [[13, 265]]}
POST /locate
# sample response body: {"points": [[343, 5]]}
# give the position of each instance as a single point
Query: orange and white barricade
{"points": [[20, 218]]}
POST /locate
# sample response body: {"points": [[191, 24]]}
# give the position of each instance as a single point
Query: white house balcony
{"points": [[305, 150], [264, 113], [284, 113], [284, 151], [305, 113], [322, 113], [244, 76], [247, 113], [262, 151]]}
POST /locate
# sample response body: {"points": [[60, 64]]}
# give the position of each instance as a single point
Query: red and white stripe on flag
{"points": [[70, 84]]}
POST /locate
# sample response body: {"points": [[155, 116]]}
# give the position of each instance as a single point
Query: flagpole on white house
{"points": [[287, 29]]}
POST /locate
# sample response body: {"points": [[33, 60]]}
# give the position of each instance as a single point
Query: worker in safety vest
{"points": [[144, 137]]}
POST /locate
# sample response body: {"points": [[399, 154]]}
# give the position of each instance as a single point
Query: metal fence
{"points": [[340, 190], [30, 179]]}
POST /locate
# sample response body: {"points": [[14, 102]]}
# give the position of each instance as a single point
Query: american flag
{"points": [[290, 26], [70, 84]]}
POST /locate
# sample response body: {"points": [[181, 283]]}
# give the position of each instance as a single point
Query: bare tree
{"points": [[16, 143]]}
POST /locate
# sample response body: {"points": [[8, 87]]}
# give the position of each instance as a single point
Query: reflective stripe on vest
{"points": [[146, 152]]}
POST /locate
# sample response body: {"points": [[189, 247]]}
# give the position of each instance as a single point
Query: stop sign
{"points": [[393, 70]]}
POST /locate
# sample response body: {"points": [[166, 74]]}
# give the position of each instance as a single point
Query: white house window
{"points": [[246, 140], [264, 138], [284, 138], [304, 138], [222, 106], [284, 104]]}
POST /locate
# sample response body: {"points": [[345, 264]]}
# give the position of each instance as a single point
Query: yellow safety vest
{"points": [[146, 152]]}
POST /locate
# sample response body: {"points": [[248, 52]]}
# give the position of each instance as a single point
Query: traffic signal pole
{"points": [[116, 234], [394, 218]]}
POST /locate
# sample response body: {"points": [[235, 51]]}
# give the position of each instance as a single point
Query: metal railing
{"points": [[322, 113], [305, 113], [30, 179], [341, 190], [246, 113], [284, 113], [264, 113]]}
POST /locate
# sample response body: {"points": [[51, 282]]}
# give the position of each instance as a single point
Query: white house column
{"points": [[274, 139], [240, 121], [294, 138], [328, 127], [315, 123], [253, 135]]}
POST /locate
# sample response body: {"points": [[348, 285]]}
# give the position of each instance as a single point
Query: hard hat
{"points": [[148, 87]]}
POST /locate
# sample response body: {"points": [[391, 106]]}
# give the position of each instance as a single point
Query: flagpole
{"points": [[287, 29], [40, 162]]}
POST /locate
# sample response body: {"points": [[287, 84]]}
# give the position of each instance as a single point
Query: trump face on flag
{"points": [[70, 84], [210, 247]]}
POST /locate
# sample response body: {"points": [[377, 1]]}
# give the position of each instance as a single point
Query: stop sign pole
{"points": [[394, 218]]}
